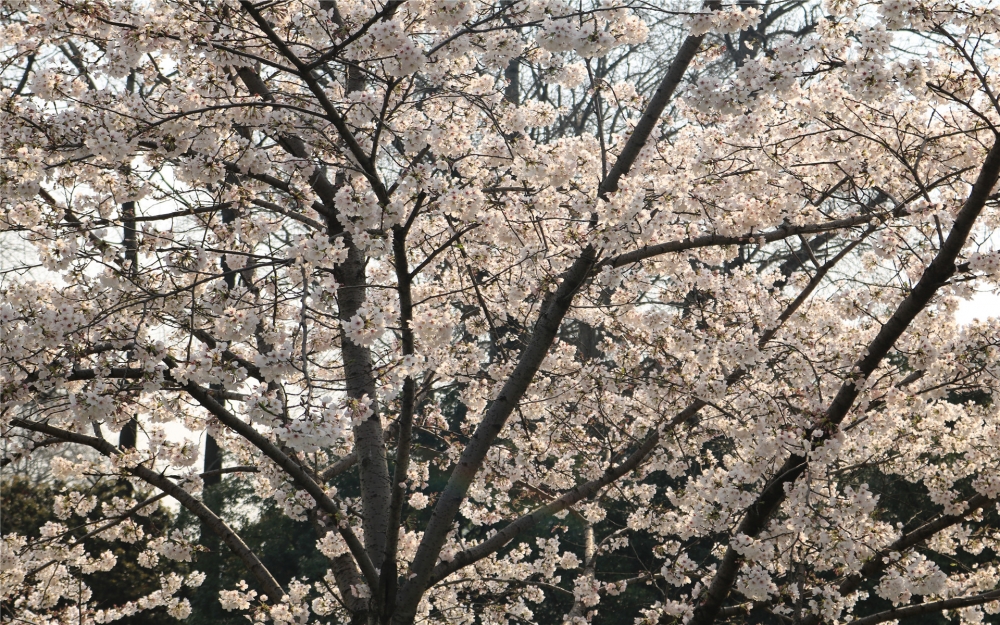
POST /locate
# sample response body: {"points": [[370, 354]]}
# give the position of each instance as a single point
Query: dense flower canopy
{"points": [[695, 264]]}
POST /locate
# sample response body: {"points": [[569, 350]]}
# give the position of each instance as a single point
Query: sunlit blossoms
{"points": [[526, 311]]}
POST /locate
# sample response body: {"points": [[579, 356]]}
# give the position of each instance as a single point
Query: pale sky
{"points": [[981, 306]]}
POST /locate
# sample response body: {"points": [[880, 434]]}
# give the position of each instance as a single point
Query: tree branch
{"points": [[186, 499], [294, 469], [927, 608], [937, 273]]}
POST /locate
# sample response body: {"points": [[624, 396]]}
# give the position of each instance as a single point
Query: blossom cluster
{"points": [[607, 295]]}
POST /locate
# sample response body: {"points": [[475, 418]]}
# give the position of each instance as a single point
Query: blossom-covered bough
{"points": [[695, 264]]}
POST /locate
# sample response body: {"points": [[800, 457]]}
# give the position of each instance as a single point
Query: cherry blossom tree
{"points": [[696, 263]]}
